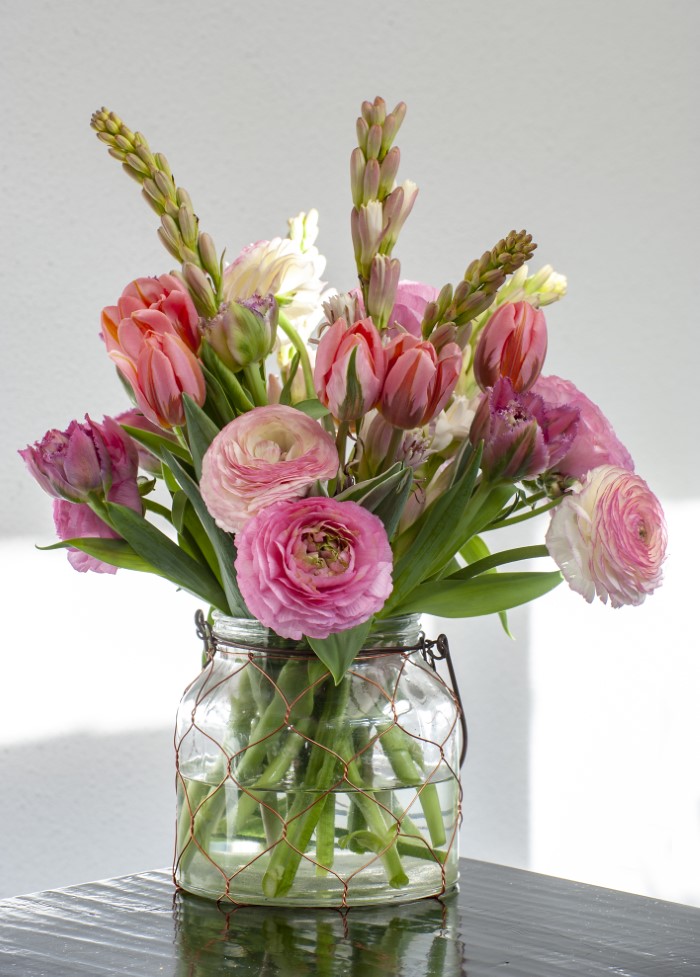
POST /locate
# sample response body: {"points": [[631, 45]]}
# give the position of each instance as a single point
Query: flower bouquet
{"points": [[320, 468]]}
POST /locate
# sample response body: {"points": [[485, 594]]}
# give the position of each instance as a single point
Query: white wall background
{"points": [[576, 121]]}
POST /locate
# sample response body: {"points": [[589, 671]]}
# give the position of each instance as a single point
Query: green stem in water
{"points": [[325, 836], [298, 344], [394, 744]]}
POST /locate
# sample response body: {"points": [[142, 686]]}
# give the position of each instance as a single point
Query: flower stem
{"points": [[298, 344], [255, 383]]}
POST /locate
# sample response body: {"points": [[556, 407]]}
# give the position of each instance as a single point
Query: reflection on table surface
{"points": [[419, 938]]}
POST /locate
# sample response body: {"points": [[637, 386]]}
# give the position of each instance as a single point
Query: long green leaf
{"points": [[217, 402], [116, 552], [494, 560], [312, 407], [221, 541], [156, 443], [486, 594], [235, 394], [337, 651], [201, 431], [165, 555], [385, 495]]}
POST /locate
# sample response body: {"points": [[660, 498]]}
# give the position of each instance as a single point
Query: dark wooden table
{"points": [[501, 922]]}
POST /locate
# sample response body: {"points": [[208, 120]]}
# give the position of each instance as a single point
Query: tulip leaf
{"points": [[201, 431], [157, 442], [313, 407], [168, 559], [385, 495], [492, 560], [338, 651], [116, 552], [217, 402], [485, 594], [235, 394], [221, 541], [285, 396]]}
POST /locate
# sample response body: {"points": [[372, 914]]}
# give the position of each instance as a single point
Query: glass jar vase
{"points": [[292, 790]]}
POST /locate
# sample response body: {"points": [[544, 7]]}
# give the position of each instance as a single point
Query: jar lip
{"points": [[390, 635]]}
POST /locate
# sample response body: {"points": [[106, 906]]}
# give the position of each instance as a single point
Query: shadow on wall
{"points": [[84, 807]]}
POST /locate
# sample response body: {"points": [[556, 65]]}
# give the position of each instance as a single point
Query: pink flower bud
{"points": [[165, 369], [512, 345], [608, 537], [160, 305], [350, 368], [419, 380], [84, 459]]}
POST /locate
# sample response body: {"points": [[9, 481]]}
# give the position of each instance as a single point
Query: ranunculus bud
{"points": [[513, 345], [609, 537], [164, 370], [350, 368], [243, 332], [83, 460], [419, 380]]}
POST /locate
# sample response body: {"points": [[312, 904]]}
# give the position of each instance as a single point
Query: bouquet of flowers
{"points": [[331, 462]]}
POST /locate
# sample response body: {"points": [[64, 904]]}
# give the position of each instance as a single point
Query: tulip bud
{"points": [[419, 381], [513, 345], [350, 368], [243, 332]]}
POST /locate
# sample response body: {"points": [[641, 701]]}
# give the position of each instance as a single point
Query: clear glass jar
{"points": [[295, 791]]}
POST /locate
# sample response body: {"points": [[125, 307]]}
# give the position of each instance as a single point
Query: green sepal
{"points": [[221, 541], [338, 651], [485, 594], [116, 552], [164, 555], [201, 431]]}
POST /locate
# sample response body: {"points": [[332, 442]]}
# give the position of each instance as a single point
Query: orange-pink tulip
{"points": [[513, 345], [419, 380]]}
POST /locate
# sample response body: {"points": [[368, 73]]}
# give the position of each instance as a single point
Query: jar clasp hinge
{"points": [[435, 650]]}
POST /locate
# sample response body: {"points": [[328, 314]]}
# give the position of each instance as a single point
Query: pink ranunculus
{"points": [[314, 566], [350, 368], [513, 345], [608, 537], [523, 436], [160, 305], [267, 455], [419, 380], [84, 459], [595, 443], [165, 369]]}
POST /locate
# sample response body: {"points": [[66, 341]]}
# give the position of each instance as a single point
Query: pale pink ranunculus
{"points": [[608, 537], [267, 455], [595, 442], [314, 566], [350, 368], [165, 369], [160, 305], [419, 380]]}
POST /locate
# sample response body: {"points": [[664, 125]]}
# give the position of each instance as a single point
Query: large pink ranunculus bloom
{"points": [[264, 456], [160, 305], [595, 443], [350, 368], [314, 566], [609, 537]]}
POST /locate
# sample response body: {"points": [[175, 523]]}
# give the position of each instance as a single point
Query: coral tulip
{"points": [[419, 380], [512, 345]]}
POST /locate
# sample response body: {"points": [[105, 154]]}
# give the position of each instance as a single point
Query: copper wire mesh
{"points": [[341, 761]]}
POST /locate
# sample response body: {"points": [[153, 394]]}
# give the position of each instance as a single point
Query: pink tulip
{"points": [[161, 305], [409, 306], [147, 460], [74, 521], [166, 368], [264, 456], [608, 537], [523, 436], [419, 380], [350, 368], [313, 566], [595, 443], [83, 460], [512, 345]]}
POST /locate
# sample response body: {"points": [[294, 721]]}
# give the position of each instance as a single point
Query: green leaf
{"points": [[486, 594], [116, 552], [338, 651], [217, 402], [157, 442], [285, 397], [313, 407], [180, 503], [236, 395], [223, 544], [165, 555], [385, 495], [489, 561], [201, 431]]}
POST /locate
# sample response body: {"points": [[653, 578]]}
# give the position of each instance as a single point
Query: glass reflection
{"points": [[419, 939]]}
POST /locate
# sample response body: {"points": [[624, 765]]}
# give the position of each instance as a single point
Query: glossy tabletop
{"points": [[501, 922]]}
